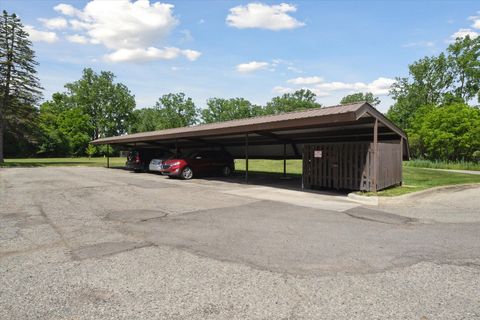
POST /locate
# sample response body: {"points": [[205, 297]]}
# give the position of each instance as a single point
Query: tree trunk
{"points": [[2, 128]]}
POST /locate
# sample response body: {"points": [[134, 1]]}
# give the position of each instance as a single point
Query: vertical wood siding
{"points": [[349, 165]]}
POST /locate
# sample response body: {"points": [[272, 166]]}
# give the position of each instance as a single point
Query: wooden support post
{"points": [[401, 160], [284, 160], [176, 148], [303, 167], [375, 156], [246, 158], [108, 156]]}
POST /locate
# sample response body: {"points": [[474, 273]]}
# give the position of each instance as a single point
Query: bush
{"points": [[449, 133]]}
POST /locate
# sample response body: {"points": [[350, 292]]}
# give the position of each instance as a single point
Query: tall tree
{"points": [[177, 110], [19, 85], [219, 109], [361, 97], [299, 100], [452, 77], [464, 59], [65, 129], [146, 119], [109, 105]]}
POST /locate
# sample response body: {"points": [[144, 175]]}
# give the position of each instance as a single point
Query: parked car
{"points": [[199, 163], [139, 160], [156, 164]]}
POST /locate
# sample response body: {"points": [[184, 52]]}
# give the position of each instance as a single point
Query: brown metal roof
{"points": [[311, 117]]}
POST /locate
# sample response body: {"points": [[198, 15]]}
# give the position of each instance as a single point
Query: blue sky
{"points": [[254, 50]]}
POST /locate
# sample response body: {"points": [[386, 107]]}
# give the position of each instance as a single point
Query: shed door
{"points": [[337, 165], [321, 166]]}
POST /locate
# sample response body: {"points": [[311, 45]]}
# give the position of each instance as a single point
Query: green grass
{"points": [[270, 166], [43, 162], [415, 179], [457, 165]]}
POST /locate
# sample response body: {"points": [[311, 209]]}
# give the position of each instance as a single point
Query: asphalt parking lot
{"points": [[96, 243]]}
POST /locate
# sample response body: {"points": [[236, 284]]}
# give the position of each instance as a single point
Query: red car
{"points": [[199, 163]]}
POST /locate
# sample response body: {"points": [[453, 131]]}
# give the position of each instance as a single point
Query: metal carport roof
{"points": [[267, 135]]}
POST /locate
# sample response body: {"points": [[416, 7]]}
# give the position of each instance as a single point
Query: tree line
{"points": [[437, 105]]}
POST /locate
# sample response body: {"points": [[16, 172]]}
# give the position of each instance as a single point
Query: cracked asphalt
{"points": [[96, 243]]}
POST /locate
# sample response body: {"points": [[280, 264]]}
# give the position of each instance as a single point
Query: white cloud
{"points": [[259, 15], [78, 25], [131, 29], [123, 24], [462, 33], [76, 38], [380, 86], [191, 55], [67, 10], [305, 80], [252, 66], [54, 23], [294, 69], [149, 54], [282, 90], [426, 44], [38, 36], [476, 21]]}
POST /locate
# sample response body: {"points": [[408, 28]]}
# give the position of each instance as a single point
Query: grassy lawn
{"points": [[270, 166], [42, 162], [415, 179]]}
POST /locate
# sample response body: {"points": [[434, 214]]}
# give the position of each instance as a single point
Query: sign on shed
{"points": [[317, 153]]}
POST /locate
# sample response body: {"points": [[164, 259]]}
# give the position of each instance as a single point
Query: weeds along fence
{"points": [[456, 165]]}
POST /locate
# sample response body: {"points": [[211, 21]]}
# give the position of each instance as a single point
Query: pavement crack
{"points": [[57, 230]]}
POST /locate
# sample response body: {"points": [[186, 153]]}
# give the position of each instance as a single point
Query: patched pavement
{"points": [[84, 243]]}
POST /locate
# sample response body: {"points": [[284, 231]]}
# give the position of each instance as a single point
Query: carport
{"points": [[351, 147]]}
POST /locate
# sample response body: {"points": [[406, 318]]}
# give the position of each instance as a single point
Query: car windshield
{"points": [[131, 156]]}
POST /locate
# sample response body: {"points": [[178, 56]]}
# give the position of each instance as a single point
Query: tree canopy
{"points": [[432, 104], [450, 77], [450, 132], [108, 104], [219, 109], [92, 107], [170, 111], [177, 110], [361, 97], [299, 100]]}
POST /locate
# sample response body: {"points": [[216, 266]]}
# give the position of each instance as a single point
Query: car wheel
{"points": [[226, 171], [187, 173]]}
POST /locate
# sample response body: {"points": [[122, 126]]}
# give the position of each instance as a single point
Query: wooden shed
{"points": [[364, 166], [352, 147]]}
